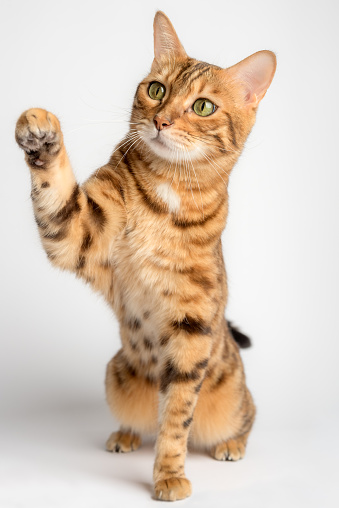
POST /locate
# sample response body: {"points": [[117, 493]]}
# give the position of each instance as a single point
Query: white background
{"points": [[82, 60]]}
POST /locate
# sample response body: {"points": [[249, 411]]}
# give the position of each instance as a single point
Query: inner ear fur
{"points": [[254, 74]]}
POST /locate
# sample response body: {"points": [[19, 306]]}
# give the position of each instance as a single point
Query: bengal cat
{"points": [[145, 231]]}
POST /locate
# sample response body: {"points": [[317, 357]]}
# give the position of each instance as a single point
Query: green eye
{"points": [[203, 107], [156, 91]]}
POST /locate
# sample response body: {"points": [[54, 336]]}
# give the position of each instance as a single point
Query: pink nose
{"points": [[161, 122]]}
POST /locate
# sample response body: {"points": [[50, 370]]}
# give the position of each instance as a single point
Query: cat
{"points": [[145, 231]]}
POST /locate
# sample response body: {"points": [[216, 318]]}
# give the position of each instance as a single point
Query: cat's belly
{"points": [[158, 280], [142, 308], [139, 289]]}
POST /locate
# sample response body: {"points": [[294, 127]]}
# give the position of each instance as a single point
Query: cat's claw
{"points": [[172, 489]]}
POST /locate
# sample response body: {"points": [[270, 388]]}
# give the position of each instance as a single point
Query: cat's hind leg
{"points": [[133, 401], [225, 410]]}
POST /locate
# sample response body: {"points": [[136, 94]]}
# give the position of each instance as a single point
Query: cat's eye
{"points": [[203, 107], [156, 91]]}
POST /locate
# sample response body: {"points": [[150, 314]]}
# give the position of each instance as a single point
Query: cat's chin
{"points": [[170, 151]]}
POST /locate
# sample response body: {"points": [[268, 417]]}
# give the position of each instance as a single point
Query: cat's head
{"points": [[188, 106]]}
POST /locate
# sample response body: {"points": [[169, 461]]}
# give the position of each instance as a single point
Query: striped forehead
{"points": [[184, 78]]}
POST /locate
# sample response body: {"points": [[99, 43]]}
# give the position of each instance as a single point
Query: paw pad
{"points": [[38, 134]]}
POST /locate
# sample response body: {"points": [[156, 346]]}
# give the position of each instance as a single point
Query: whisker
{"points": [[138, 139], [202, 204], [175, 169], [105, 110], [180, 179], [209, 160], [217, 165], [189, 176], [126, 141], [206, 142], [185, 169], [189, 172], [70, 131], [170, 163]]}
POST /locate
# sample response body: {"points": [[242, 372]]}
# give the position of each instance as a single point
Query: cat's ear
{"points": [[255, 75], [166, 41]]}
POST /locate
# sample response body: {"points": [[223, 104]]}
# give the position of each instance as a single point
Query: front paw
{"points": [[39, 134], [172, 489]]}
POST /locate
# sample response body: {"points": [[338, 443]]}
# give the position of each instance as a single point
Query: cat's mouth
{"points": [[165, 143], [161, 146], [159, 139], [167, 148]]}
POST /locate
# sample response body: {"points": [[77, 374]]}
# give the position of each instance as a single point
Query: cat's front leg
{"points": [[76, 224], [187, 352]]}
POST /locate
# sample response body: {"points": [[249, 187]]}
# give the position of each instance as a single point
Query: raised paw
{"points": [[232, 450], [123, 442], [172, 489], [38, 133]]}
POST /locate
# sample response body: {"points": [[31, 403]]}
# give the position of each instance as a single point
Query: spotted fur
{"points": [[145, 232]]}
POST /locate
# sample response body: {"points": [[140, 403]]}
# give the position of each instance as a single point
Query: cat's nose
{"points": [[161, 122]]}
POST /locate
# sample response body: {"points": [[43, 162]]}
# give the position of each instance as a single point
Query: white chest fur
{"points": [[169, 196]]}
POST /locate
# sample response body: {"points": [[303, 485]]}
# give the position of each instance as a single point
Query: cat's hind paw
{"points": [[231, 450], [123, 442]]}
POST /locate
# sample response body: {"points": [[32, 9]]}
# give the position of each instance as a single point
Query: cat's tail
{"points": [[242, 340]]}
